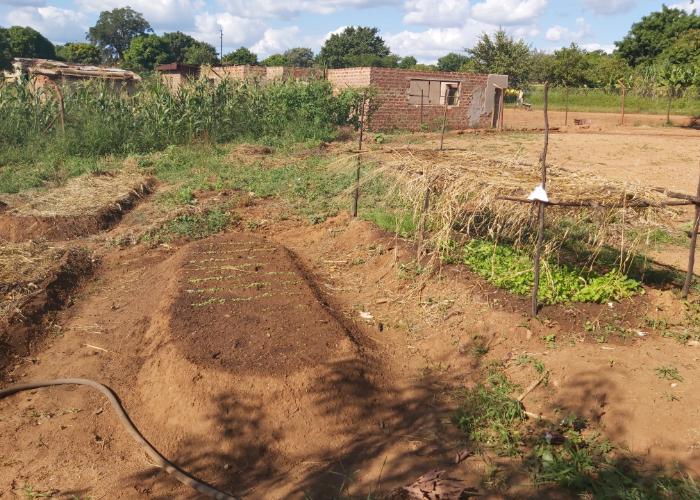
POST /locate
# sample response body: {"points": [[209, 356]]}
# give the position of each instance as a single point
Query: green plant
{"points": [[489, 416], [510, 268], [525, 359], [668, 373], [194, 226]]}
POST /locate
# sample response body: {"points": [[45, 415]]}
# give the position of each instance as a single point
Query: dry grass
{"points": [[23, 267], [84, 195], [465, 188]]}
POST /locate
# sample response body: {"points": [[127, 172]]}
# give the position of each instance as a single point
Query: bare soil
{"points": [[289, 360]]}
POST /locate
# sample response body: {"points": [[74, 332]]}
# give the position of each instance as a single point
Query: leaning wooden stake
{"points": [[61, 107], [421, 224], [624, 91], [356, 195], [540, 207], [421, 109], [693, 244], [444, 121]]}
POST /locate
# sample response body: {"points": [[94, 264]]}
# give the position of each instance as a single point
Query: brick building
{"points": [[175, 74], [410, 99]]}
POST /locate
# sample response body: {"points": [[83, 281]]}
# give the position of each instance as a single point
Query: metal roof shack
{"points": [[62, 72]]}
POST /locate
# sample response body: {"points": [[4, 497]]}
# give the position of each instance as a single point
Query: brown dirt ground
{"points": [[294, 394]]}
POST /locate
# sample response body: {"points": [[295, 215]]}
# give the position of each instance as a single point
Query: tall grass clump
{"points": [[102, 120]]}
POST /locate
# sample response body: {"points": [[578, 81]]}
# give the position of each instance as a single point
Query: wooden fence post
{"points": [[421, 224], [624, 92], [693, 244], [444, 120], [421, 109], [540, 207], [356, 195], [61, 107]]}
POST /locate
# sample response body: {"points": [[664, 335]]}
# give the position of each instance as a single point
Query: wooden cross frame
{"points": [[680, 200]]}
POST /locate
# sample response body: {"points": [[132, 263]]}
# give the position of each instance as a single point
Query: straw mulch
{"points": [[464, 191], [84, 195]]}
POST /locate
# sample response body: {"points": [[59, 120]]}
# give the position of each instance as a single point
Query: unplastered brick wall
{"points": [[395, 111], [349, 78]]}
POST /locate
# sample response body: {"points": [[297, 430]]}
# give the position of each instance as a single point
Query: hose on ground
{"points": [[159, 459]]}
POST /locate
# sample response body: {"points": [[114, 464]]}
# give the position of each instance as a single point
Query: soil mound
{"points": [[85, 205], [245, 304]]}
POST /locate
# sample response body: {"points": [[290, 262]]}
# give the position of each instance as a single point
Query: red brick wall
{"points": [[395, 110], [349, 78]]}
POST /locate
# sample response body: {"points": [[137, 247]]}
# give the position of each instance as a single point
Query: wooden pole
{"points": [[444, 121], [61, 107], [501, 112], [541, 206], [624, 92], [566, 112], [693, 244], [356, 196], [421, 226]]}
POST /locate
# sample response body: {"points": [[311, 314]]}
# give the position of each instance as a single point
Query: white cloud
{"points": [[164, 15], [277, 40], [429, 45], [605, 47], [502, 12], [686, 6], [607, 7], [448, 13], [558, 33], [237, 30], [56, 24], [287, 8]]}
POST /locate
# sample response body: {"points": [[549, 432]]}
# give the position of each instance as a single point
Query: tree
{"points": [[354, 45], [452, 62], [5, 52], [240, 56], [84, 53], [674, 79], [606, 70], [656, 32], [28, 42], [275, 60], [569, 70], [502, 55], [115, 30], [200, 53], [685, 50], [300, 57], [145, 52], [408, 62], [178, 43], [541, 66]]}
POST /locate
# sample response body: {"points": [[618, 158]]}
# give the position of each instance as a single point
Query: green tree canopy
{"points": [[655, 33], [5, 53], [570, 67], [145, 52], [200, 53], [274, 60], [76, 52], [185, 49], [408, 62], [301, 57], [240, 56], [115, 29], [685, 50], [28, 42], [355, 46], [452, 62], [502, 55]]}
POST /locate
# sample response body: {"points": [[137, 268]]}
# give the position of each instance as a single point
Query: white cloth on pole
{"points": [[539, 194]]}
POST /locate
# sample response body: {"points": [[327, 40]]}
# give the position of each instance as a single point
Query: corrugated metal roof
{"points": [[49, 67]]}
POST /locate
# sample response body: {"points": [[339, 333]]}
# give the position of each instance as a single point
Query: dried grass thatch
{"points": [[464, 200], [84, 195]]}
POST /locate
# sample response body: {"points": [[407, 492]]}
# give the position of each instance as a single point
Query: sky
{"points": [[426, 29]]}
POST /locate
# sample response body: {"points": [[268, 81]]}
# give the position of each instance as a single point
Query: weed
{"points": [[509, 268], [194, 226], [668, 373], [30, 493], [526, 359], [489, 416]]}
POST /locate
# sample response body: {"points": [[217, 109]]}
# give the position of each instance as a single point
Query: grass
{"points": [[600, 100], [561, 456], [192, 226], [511, 269], [668, 373]]}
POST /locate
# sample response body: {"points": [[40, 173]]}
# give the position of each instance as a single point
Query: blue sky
{"points": [[425, 29]]}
